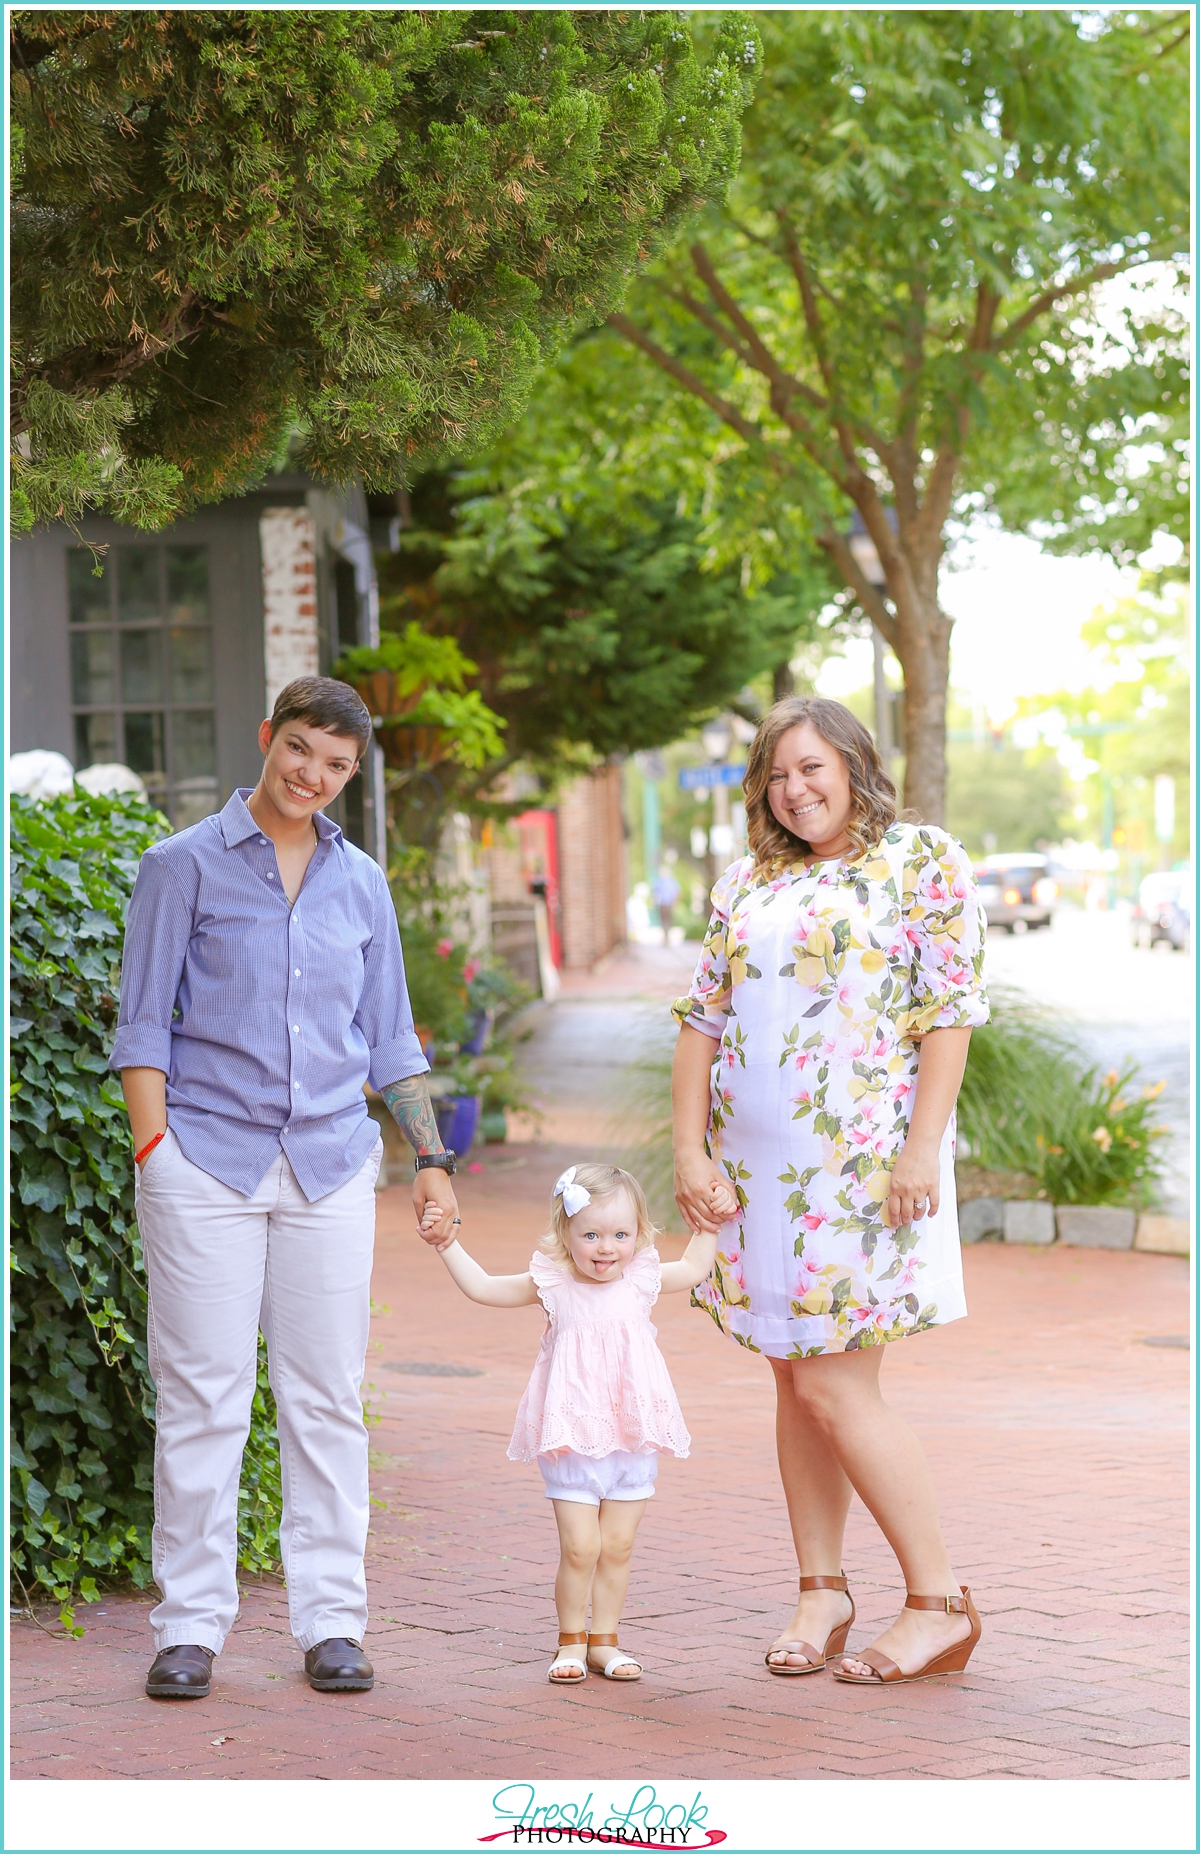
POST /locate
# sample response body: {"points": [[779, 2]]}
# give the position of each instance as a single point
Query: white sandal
{"points": [[614, 1660], [568, 1660]]}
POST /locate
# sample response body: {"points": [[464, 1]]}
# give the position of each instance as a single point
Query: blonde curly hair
{"points": [[872, 794], [603, 1181]]}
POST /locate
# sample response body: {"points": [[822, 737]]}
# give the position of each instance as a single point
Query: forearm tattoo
{"points": [[409, 1105]]}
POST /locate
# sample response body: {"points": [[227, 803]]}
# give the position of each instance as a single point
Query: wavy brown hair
{"points": [[872, 793]]}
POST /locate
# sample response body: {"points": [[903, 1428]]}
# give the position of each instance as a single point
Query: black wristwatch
{"points": [[445, 1161]]}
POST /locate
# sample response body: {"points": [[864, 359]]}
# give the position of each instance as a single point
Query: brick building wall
{"points": [[591, 851]]}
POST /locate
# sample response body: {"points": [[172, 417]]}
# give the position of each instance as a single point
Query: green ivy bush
{"points": [[82, 1401]]}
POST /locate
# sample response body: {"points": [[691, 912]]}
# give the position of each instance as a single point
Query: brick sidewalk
{"points": [[1059, 1442]]}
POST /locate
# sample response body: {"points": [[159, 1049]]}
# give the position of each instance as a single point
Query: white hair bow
{"points": [[575, 1197]]}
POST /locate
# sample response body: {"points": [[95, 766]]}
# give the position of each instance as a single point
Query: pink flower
{"points": [[444, 948], [803, 1096], [471, 970], [475, 1166], [812, 1220]]}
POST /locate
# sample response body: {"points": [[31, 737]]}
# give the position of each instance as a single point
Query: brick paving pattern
{"points": [[1059, 1443]]}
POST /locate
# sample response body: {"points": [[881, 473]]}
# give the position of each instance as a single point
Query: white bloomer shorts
{"points": [[590, 1479]]}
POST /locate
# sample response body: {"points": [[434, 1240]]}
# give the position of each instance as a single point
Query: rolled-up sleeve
{"points": [[158, 928], [384, 1013], [946, 931], [706, 1007]]}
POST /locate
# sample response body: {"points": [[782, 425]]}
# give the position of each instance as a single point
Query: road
{"points": [[1126, 1004]]}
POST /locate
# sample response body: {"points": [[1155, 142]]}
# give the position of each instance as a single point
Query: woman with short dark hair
{"points": [[262, 987], [820, 1054]]}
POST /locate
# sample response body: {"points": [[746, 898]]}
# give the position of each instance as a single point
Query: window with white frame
{"points": [[142, 670]]}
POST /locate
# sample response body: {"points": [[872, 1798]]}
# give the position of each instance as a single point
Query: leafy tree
{"points": [[1130, 726], [1001, 798], [596, 629], [360, 231], [898, 311]]}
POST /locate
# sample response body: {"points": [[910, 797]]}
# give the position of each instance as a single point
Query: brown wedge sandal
{"points": [[950, 1661], [836, 1640]]}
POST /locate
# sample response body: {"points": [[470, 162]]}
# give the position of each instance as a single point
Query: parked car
{"points": [[1162, 913], [1016, 890]]}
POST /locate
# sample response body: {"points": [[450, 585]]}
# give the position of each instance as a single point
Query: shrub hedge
{"points": [[1032, 1103], [82, 1403]]}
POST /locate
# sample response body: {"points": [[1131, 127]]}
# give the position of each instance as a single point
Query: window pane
{"points": [[137, 583], [144, 744], [88, 595], [192, 800], [193, 745], [92, 679], [187, 585], [95, 741], [141, 666], [191, 665]]}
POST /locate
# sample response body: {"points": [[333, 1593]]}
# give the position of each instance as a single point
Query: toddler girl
{"points": [[600, 1403]]}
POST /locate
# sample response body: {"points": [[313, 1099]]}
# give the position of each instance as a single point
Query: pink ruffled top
{"points": [[600, 1382]]}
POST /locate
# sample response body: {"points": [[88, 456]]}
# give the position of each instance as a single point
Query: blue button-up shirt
{"points": [[266, 1018]]}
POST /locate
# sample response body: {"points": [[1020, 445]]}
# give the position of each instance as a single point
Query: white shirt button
{"points": [[297, 972], [270, 875], [296, 1085], [295, 1029]]}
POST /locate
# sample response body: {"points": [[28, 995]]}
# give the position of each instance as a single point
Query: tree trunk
{"points": [[923, 648], [783, 682]]}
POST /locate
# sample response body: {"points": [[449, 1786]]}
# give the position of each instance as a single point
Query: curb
{"points": [[1033, 1222]]}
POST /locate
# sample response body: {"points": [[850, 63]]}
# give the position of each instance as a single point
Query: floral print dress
{"points": [[819, 983]]}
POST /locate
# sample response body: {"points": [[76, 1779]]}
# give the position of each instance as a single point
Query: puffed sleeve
{"points": [[645, 1272], [707, 1005], [945, 926], [548, 1278]]}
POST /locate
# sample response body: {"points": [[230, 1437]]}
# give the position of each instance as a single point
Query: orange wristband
{"points": [[147, 1150]]}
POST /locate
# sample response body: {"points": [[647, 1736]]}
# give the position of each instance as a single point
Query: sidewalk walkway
{"points": [[1060, 1447]]}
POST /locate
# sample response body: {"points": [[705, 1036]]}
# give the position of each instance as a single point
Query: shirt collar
{"points": [[237, 825]]}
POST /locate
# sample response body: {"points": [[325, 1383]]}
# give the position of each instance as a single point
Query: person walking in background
{"points": [[666, 893], [820, 1054], [262, 985]]}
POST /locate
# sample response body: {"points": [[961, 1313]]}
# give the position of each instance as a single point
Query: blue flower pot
{"points": [[457, 1120], [479, 1025]]}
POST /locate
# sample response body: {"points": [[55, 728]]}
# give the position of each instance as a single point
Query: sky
{"points": [[1018, 613]]}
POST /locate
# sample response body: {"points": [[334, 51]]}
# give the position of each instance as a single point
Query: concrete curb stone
{"points": [[1163, 1236], [980, 1218], [1096, 1226], [1029, 1220]]}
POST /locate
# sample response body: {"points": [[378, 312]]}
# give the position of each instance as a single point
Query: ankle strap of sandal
{"points": [[602, 1641], [950, 1606], [568, 1641], [824, 1583]]}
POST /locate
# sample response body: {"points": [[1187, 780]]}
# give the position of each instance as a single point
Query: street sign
{"points": [[697, 778]]}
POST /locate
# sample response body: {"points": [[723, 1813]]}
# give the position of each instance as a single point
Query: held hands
{"points": [[436, 1207], [703, 1194], [916, 1183]]}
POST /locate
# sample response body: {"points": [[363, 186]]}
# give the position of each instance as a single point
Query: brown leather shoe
{"points": [[339, 1666], [181, 1672]]}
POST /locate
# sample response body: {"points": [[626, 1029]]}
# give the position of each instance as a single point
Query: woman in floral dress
{"points": [[820, 1055]]}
